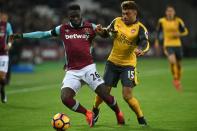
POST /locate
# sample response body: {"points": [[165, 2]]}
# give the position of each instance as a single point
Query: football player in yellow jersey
{"points": [[130, 39], [173, 29]]}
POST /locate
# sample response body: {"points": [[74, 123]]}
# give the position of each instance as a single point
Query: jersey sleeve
{"points": [[106, 32], [94, 26], [159, 29], [111, 25], [43, 34], [56, 31], [9, 29], [183, 30], [37, 35], [143, 42]]}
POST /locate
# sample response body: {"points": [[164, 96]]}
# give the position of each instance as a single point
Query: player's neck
{"points": [[170, 18], [132, 22]]}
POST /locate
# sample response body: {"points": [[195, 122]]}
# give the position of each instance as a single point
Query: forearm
{"points": [[37, 35], [104, 33], [143, 45], [185, 32]]}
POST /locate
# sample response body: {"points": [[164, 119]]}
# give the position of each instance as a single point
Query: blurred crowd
{"points": [[26, 15]]}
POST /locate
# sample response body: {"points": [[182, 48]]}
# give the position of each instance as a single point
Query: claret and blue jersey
{"points": [[76, 41], [5, 31]]}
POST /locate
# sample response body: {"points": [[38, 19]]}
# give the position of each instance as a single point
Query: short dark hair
{"points": [[129, 5], [74, 7], [170, 6]]}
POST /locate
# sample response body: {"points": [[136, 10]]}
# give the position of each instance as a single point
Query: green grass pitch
{"points": [[34, 98]]}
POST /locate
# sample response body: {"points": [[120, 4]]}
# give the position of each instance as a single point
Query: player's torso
{"points": [[3, 26], [170, 27], [124, 44], [77, 44]]}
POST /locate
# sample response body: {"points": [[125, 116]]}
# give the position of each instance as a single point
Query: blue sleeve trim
{"points": [[93, 26]]}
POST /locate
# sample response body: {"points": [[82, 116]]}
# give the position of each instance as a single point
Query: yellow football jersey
{"points": [[170, 27], [126, 41]]}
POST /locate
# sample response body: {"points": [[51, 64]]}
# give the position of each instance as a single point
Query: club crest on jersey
{"points": [[66, 30], [133, 30]]}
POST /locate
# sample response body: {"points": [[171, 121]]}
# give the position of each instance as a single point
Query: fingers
{"points": [[139, 52], [99, 28], [10, 39], [112, 30]]}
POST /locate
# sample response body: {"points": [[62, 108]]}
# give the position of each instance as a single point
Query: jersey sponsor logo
{"points": [[77, 36]]}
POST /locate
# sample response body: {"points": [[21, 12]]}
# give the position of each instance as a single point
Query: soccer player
{"points": [[130, 39], [5, 31], [172, 28], [77, 36]]}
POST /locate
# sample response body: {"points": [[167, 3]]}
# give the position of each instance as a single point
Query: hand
{"points": [[176, 35], [139, 52], [14, 37], [99, 28], [157, 48], [112, 32]]}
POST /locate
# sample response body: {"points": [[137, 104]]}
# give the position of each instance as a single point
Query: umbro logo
{"points": [[67, 30]]}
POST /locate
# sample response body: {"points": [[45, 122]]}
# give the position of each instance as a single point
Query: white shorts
{"points": [[74, 78], [4, 59]]}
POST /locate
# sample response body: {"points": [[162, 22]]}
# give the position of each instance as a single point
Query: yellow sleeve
{"points": [[143, 38], [183, 30]]}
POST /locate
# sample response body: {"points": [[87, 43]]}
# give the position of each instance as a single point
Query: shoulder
{"points": [[87, 23], [162, 19], [8, 23], [117, 19], [179, 19], [142, 26], [64, 25]]}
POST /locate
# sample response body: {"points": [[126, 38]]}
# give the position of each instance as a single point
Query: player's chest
{"points": [[127, 32], [170, 26], [83, 34]]}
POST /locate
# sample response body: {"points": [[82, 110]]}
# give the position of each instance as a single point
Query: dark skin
{"points": [[67, 93], [75, 18]]}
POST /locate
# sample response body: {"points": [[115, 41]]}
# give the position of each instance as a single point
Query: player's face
{"points": [[129, 16], [170, 12], [75, 18], [3, 17]]}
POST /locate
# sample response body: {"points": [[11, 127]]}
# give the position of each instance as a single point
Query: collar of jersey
{"points": [[73, 26]]}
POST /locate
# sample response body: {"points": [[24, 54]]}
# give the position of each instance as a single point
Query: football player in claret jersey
{"points": [[130, 39], [5, 31], [172, 28], [77, 36]]}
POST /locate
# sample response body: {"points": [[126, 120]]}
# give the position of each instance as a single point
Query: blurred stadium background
{"points": [[28, 15], [34, 98]]}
